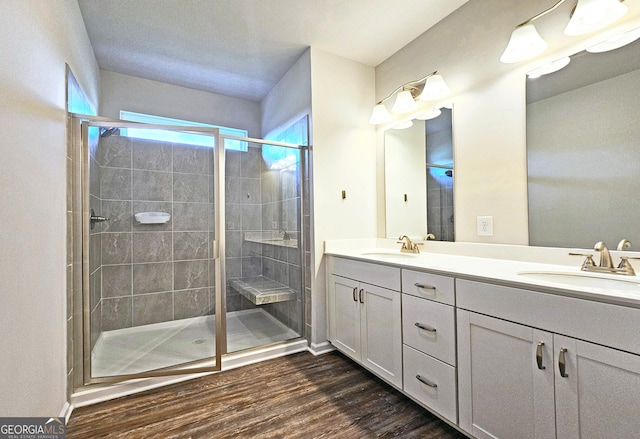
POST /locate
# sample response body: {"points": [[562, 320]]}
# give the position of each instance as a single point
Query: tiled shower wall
{"points": [[143, 274], [151, 273], [286, 186], [260, 198], [440, 204], [439, 150]]}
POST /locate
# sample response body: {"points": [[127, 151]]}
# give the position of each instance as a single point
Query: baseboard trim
{"points": [[230, 361], [321, 348], [66, 411]]}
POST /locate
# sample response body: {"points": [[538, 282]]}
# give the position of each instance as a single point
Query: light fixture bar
{"points": [[405, 85], [406, 95], [542, 14]]}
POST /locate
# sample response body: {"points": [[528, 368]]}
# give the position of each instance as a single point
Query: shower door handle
{"points": [[96, 219]]}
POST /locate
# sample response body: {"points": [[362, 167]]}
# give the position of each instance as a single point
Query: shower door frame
{"points": [[82, 360]]}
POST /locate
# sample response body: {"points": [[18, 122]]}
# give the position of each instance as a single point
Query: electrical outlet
{"points": [[485, 226]]}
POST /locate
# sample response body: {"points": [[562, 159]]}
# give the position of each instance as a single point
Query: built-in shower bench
{"points": [[261, 290]]}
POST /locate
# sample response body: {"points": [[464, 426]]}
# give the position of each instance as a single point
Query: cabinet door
{"points": [[597, 391], [503, 391], [382, 332], [345, 312]]}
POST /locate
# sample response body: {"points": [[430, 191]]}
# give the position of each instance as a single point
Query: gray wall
{"points": [[155, 272]]}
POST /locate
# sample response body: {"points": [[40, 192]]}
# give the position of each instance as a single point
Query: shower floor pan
{"points": [[144, 348]]}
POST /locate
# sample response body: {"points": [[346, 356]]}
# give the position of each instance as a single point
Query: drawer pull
{"points": [[539, 355], [423, 380], [562, 364], [426, 327], [424, 287], [361, 295], [355, 292]]}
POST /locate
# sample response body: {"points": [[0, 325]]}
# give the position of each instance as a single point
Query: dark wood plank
{"points": [[298, 396]]}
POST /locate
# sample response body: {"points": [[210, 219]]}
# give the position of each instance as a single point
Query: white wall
{"points": [[123, 92], [38, 38], [405, 160], [489, 103], [344, 158], [289, 99]]}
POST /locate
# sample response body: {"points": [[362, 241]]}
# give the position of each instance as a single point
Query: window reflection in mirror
{"points": [[419, 179], [583, 153]]}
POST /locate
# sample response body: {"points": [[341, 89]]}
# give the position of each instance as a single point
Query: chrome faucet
{"points": [[408, 246]]}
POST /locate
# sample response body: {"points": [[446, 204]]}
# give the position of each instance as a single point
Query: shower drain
{"points": [[199, 341]]}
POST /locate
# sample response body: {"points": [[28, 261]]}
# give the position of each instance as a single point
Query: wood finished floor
{"points": [[298, 396]]}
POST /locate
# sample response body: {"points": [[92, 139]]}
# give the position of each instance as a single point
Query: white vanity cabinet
{"points": [[428, 334], [519, 381], [365, 315]]}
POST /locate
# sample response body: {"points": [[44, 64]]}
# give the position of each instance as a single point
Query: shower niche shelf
{"points": [[272, 237], [261, 290], [152, 217]]}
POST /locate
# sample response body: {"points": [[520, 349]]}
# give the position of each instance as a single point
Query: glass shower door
{"points": [[152, 278], [264, 251]]}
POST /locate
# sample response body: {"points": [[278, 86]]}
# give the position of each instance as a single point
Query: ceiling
{"points": [[242, 48]]}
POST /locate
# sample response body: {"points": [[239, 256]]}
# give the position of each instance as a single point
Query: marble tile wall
{"points": [[151, 273]]}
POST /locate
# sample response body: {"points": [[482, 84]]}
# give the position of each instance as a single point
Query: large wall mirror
{"points": [[419, 179], [583, 151]]}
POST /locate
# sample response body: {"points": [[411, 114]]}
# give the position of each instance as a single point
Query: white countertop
{"points": [[495, 269]]}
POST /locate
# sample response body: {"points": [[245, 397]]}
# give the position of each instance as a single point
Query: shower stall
{"points": [[192, 247]]}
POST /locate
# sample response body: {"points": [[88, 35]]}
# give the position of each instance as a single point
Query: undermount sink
{"points": [[585, 280], [389, 254]]}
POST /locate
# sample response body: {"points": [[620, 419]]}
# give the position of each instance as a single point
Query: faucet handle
{"points": [[589, 262], [626, 266]]}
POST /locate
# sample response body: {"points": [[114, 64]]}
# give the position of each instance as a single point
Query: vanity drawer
{"points": [[375, 274], [428, 286], [442, 397], [436, 337]]}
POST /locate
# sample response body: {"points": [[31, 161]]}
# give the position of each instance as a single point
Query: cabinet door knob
{"points": [[562, 364], [539, 355], [423, 380], [355, 292], [425, 327], [361, 295]]}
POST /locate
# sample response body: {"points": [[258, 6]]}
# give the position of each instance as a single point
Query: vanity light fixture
{"points": [[429, 114], [616, 42], [379, 115], [404, 103], [591, 15], [551, 67], [434, 88], [402, 125], [587, 16], [431, 87]]}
